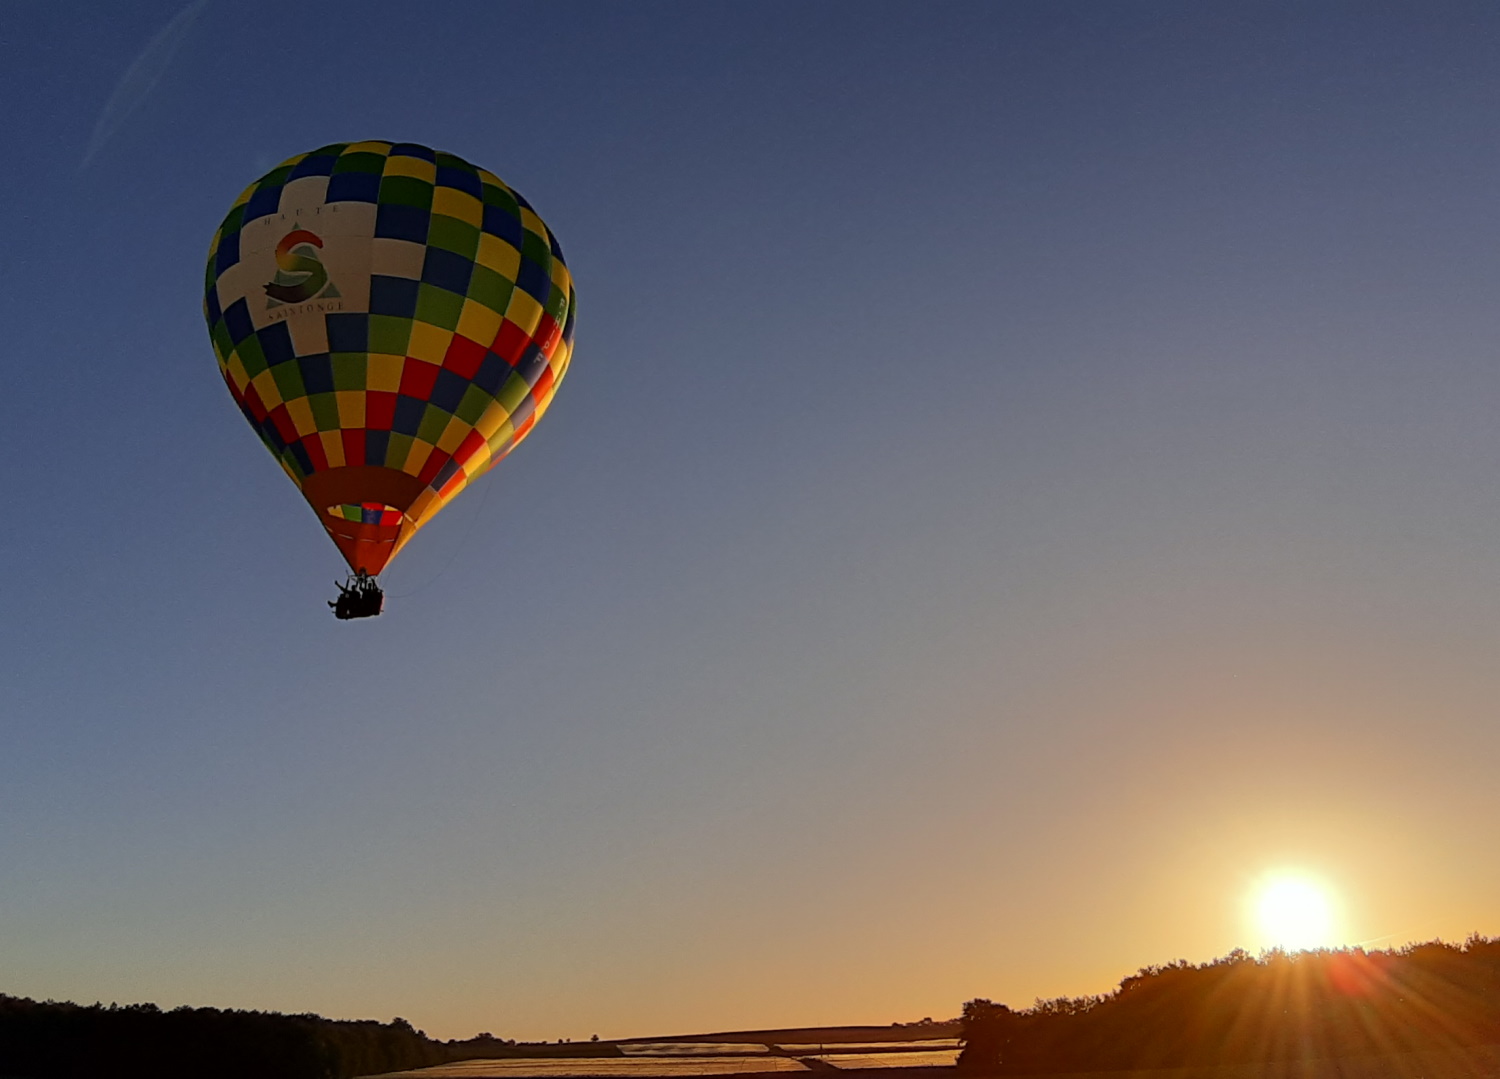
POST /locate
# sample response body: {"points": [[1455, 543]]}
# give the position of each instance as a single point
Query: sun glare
{"points": [[1294, 913]]}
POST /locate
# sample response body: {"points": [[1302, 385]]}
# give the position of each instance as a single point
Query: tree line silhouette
{"points": [[1243, 1009], [51, 1040]]}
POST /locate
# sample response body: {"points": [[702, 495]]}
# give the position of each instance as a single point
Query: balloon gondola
{"points": [[392, 321], [359, 597]]}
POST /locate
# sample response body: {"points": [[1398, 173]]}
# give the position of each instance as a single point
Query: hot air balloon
{"points": [[392, 321]]}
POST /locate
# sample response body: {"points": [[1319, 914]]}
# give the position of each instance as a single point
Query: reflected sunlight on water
{"points": [[605, 1066], [931, 1058], [644, 1049]]}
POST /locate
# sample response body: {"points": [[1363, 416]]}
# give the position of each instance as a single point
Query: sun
{"points": [[1294, 912]]}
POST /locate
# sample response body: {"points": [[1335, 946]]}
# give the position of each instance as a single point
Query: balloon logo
{"points": [[392, 321], [298, 276]]}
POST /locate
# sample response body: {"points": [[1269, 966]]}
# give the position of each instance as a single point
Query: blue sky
{"points": [[1028, 471]]}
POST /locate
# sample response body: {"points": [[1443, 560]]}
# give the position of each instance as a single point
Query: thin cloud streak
{"points": [[141, 77]]}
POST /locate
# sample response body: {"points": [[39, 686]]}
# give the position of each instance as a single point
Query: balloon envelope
{"points": [[392, 321]]}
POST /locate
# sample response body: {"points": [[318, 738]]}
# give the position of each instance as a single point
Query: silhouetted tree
{"points": [[1241, 1010]]}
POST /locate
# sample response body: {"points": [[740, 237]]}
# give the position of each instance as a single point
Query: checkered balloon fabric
{"points": [[392, 321]]}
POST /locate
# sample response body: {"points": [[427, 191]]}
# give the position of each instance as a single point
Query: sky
{"points": [[1026, 478]]}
